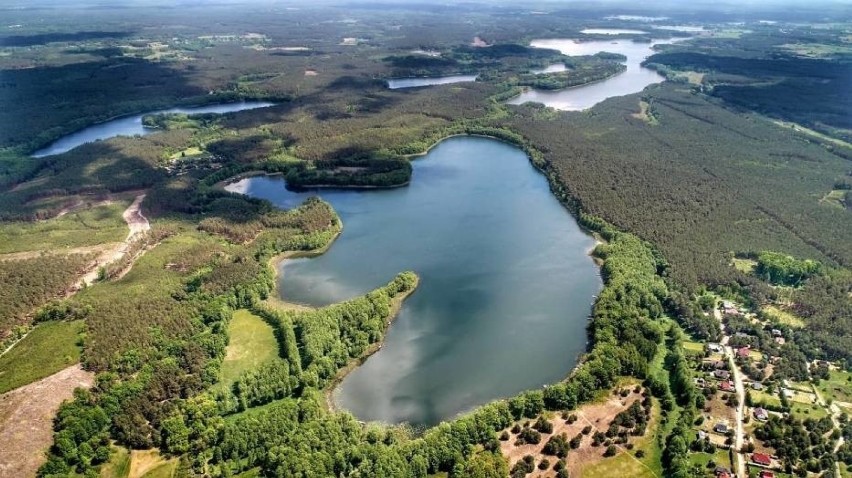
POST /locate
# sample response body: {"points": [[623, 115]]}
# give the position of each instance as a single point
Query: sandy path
{"points": [[137, 223], [26, 419]]}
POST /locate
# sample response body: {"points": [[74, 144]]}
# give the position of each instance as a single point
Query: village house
{"points": [[766, 474], [722, 472], [722, 374], [761, 459], [777, 333], [713, 347], [780, 340], [721, 428], [756, 386], [743, 352], [727, 386], [761, 414]]}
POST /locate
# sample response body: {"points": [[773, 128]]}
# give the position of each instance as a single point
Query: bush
{"points": [[611, 450]]}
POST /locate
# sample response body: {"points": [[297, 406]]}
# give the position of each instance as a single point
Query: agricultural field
{"points": [[838, 387]]}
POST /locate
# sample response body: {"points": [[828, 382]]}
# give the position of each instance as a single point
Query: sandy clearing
{"points": [[98, 249], [597, 415], [26, 424], [137, 223]]}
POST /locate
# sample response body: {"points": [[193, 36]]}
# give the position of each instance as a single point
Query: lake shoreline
{"points": [[354, 363]]}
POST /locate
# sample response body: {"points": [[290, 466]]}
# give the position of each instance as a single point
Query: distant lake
{"points": [[506, 281], [634, 79], [132, 125], [397, 83], [559, 67], [611, 31]]}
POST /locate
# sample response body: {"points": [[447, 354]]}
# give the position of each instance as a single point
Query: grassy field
{"points": [[252, 343], [803, 410], [784, 317], [765, 398], [118, 465], [720, 458], [693, 348], [838, 387], [97, 225], [626, 464], [745, 265], [49, 348]]}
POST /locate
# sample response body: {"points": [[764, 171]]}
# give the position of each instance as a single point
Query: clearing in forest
{"points": [[252, 343], [26, 419]]}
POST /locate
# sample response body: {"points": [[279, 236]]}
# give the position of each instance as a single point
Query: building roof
{"points": [[761, 459], [767, 474], [743, 351]]}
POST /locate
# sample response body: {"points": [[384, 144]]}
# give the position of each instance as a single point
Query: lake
{"points": [[132, 125], [611, 31], [506, 280], [634, 79], [397, 83]]}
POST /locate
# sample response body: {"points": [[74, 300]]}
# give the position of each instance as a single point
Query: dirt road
{"points": [[137, 223]]}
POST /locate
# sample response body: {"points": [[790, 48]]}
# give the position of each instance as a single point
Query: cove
{"points": [[132, 125], [397, 83], [632, 80], [506, 282]]}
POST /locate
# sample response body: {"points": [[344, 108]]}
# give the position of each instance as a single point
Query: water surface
{"points": [[611, 31], [634, 79], [506, 282], [396, 83], [132, 125]]}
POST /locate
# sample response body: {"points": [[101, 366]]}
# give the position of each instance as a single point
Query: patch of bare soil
{"points": [[597, 415], [137, 223], [26, 419]]}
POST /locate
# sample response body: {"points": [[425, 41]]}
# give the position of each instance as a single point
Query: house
{"points": [[761, 414], [718, 364], [727, 386], [756, 386], [777, 333], [721, 428], [761, 459], [721, 471], [722, 374], [743, 352], [780, 340], [766, 474], [714, 347]]}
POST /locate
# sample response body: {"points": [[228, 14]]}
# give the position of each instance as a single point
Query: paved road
{"points": [[739, 436]]}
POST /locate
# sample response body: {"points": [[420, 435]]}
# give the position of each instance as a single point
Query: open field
{"points": [[26, 425], [588, 460], [784, 317], [150, 464], [251, 344], [48, 348], [86, 227], [838, 387]]}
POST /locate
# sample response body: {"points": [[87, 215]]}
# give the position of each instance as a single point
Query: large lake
{"points": [[506, 280], [132, 125], [634, 79]]}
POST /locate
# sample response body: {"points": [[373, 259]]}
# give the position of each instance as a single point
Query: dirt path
{"points": [[26, 419], [137, 223]]}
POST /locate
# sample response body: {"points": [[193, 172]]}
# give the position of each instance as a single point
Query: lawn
{"points": [[838, 387], [693, 348], [720, 458], [49, 348], [88, 227], [802, 411], [252, 343], [761, 397]]}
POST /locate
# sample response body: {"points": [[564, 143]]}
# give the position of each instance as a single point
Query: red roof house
{"points": [[743, 352], [767, 474], [761, 459]]}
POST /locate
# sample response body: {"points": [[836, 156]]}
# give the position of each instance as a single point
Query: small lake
{"points": [[634, 79], [397, 83], [132, 125], [506, 281], [556, 68], [611, 31]]}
